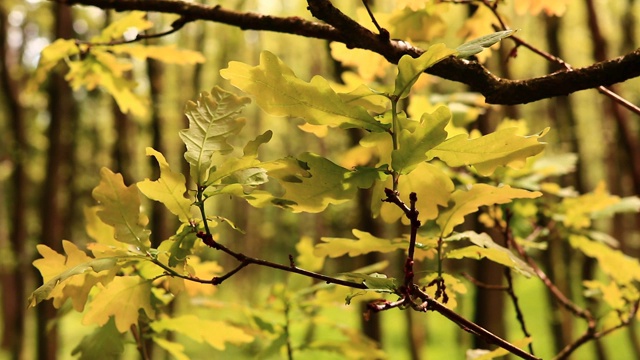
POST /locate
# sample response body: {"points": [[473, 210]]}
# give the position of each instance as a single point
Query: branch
{"points": [[341, 28]]}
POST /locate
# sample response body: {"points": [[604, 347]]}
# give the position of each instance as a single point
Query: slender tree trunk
{"points": [[563, 118], [13, 277], [53, 213]]}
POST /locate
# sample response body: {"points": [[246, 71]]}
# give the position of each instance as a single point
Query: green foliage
{"points": [[451, 174], [475, 46], [279, 92]]}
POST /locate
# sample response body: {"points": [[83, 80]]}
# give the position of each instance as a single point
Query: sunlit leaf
{"points": [[71, 276], [169, 189], [579, 211], [121, 209], [417, 25], [409, 69], [279, 92], [212, 119], [482, 354], [50, 57], [485, 247], [105, 342], [175, 349], [467, 202], [121, 299], [365, 243], [476, 46], [166, 53], [214, 333], [376, 65], [432, 186], [621, 268], [415, 144], [486, 153], [115, 30], [307, 258]]}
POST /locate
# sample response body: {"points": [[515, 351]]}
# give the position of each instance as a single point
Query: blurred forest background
{"points": [[55, 140]]}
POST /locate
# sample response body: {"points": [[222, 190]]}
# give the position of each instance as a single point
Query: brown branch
{"points": [[341, 28], [431, 304]]}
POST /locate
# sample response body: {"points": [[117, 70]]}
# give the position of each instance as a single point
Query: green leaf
{"points": [[212, 119], [105, 342], [181, 245], [214, 333], [485, 247], [121, 209], [476, 46], [169, 189], [327, 183], [410, 69], [365, 243], [279, 92], [467, 202], [415, 144], [122, 298], [59, 275], [375, 281], [486, 153]]}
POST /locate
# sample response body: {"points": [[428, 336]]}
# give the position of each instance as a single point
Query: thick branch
{"points": [[345, 30]]}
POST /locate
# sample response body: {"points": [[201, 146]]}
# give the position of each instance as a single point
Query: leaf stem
{"points": [[395, 135]]}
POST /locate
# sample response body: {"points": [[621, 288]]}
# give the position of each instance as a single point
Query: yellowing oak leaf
{"points": [[71, 276], [121, 299], [279, 92], [486, 153], [621, 268], [121, 209], [365, 243], [485, 247], [115, 30], [214, 333], [579, 211], [376, 65], [467, 202], [167, 53], [50, 57], [213, 118], [432, 185], [169, 189]]}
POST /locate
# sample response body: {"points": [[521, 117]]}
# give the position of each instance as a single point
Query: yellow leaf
{"points": [[201, 270], [169, 189], [376, 65], [306, 258], [50, 57], [115, 30], [467, 202], [121, 209], [578, 211], [122, 298], [620, 267], [71, 276], [214, 333], [365, 243]]}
